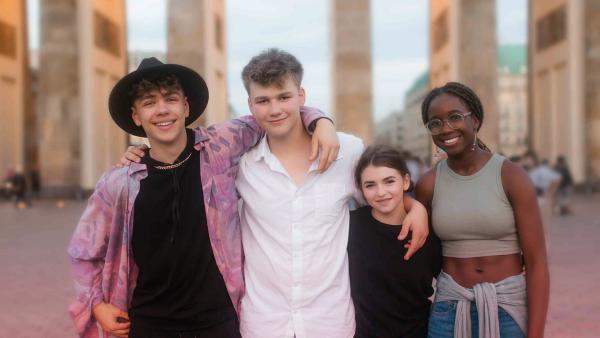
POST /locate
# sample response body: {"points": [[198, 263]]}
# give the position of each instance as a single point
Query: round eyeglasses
{"points": [[454, 121]]}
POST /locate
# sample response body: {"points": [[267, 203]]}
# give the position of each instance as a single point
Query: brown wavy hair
{"points": [[381, 156], [272, 67]]}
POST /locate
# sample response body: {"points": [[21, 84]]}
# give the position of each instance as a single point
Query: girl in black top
{"points": [[390, 294]]}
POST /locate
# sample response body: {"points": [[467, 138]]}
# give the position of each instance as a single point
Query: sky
{"points": [[399, 39]]}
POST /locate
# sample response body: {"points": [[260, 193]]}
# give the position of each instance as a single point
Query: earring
{"points": [[474, 142]]}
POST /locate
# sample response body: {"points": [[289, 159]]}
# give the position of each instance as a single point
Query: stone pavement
{"points": [[35, 284], [574, 262]]}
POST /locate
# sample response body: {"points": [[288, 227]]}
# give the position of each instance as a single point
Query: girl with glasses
{"points": [[483, 209]]}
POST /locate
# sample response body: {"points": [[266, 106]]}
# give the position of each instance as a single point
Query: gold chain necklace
{"points": [[174, 165]]}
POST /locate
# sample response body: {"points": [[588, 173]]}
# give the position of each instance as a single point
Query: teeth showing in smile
{"points": [[164, 124], [451, 141]]}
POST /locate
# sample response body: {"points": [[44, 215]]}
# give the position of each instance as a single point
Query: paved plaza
{"points": [[35, 284]]}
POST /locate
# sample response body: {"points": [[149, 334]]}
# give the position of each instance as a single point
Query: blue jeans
{"points": [[441, 322]]}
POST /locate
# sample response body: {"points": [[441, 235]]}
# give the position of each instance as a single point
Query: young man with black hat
{"points": [[149, 258]]}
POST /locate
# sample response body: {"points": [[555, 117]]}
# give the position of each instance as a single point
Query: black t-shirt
{"points": [[390, 295], [179, 286]]}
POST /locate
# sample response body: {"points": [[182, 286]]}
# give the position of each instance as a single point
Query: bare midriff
{"points": [[492, 269]]}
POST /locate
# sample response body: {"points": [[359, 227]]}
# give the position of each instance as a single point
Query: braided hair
{"points": [[465, 94]]}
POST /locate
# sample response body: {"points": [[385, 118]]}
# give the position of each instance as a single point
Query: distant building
{"points": [[564, 47], [404, 129], [388, 130], [512, 99], [412, 136], [416, 137]]}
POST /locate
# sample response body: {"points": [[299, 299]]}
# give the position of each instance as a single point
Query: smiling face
{"points": [[277, 107], [453, 140], [162, 113], [383, 189]]}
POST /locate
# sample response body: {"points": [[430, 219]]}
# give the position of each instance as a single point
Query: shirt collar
{"points": [[200, 137], [135, 167], [263, 151]]}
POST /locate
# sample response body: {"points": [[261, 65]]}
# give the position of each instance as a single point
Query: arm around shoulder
{"points": [[237, 135]]}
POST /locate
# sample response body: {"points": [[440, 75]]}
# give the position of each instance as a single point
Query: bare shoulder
{"points": [[425, 186], [515, 179]]}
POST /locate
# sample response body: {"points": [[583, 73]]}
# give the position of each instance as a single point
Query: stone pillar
{"points": [[351, 87], [592, 87], [565, 84], [197, 39], [103, 61], [82, 55], [463, 48], [14, 74]]}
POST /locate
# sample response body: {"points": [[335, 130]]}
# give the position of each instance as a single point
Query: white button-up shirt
{"points": [[295, 240]]}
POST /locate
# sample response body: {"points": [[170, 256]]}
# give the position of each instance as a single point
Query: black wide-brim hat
{"points": [[120, 99]]}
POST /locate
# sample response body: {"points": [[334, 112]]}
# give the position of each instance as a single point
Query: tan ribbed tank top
{"points": [[471, 214]]}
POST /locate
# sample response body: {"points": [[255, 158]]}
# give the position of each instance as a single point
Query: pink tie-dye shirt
{"points": [[100, 250]]}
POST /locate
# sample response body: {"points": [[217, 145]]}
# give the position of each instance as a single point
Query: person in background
{"points": [[19, 185], [546, 182], [566, 186]]}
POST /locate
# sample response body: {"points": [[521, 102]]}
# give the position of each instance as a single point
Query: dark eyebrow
{"points": [[170, 92], [147, 96]]}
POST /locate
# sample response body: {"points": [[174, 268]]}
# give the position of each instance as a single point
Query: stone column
{"points": [[463, 48], [197, 39], [592, 87], [82, 54], [14, 74], [352, 88], [58, 123], [103, 61], [565, 84]]}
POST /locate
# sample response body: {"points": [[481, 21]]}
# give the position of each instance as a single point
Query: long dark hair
{"points": [[381, 156], [465, 94]]}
